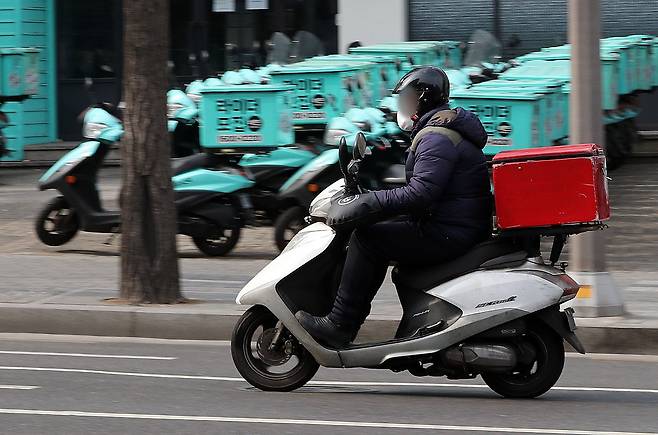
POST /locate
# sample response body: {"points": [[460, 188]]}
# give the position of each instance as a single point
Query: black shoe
{"points": [[325, 330]]}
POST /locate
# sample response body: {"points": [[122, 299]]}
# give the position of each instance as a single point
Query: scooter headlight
{"points": [[91, 130], [332, 136], [172, 109]]}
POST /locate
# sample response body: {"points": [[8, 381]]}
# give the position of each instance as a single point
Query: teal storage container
{"points": [[555, 102], [610, 72], [384, 75], [513, 120], [447, 54], [320, 92], [640, 48], [31, 23], [645, 44], [610, 52], [410, 54], [367, 84], [12, 71], [246, 117], [561, 70]]}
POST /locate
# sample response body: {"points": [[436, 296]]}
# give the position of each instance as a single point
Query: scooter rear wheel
{"points": [[57, 223], [220, 244], [537, 378], [285, 368]]}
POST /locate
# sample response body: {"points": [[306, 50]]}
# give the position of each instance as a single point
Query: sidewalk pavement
{"points": [[54, 300]]}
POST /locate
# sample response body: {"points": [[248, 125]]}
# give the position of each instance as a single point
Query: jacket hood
{"points": [[461, 120]]}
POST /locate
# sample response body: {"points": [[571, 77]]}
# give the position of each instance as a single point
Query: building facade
{"points": [[80, 39]]}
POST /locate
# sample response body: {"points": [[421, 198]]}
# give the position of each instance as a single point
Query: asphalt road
{"points": [[88, 385]]}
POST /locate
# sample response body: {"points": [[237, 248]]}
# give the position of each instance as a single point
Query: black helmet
{"points": [[431, 85]]}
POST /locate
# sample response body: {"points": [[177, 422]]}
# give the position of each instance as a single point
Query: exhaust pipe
{"points": [[480, 357]]}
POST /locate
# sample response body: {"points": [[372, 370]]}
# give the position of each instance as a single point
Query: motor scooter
{"points": [[182, 123], [494, 312], [211, 203]]}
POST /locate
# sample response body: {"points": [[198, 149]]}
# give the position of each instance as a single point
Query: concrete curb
{"points": [[204, 324]]}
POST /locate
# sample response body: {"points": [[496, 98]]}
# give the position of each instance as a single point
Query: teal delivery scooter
{"points": [[209, 202], [182, 123]]}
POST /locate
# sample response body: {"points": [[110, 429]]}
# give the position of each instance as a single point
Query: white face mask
{"points": [[405, 122]]}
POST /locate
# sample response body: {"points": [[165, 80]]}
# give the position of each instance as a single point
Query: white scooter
{"points": [[493, 312]]}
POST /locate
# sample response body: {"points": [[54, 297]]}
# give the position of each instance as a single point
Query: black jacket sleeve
{"points": [[434, 161]]}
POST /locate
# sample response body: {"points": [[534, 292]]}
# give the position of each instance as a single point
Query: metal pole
{"points": [[587, 255]]}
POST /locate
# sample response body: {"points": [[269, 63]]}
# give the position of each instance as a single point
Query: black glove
{"points": [[348, 212]]}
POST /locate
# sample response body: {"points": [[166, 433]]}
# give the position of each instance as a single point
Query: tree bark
{"points": [[149, 262]]}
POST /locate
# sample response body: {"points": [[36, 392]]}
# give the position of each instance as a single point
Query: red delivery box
{"points": [[545, 187]]}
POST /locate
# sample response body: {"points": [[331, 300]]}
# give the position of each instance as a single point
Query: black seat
{"points": [[492, 253], [195, 161]]}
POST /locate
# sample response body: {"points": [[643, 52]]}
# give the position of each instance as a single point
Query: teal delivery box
{"points": [[246, 117]]}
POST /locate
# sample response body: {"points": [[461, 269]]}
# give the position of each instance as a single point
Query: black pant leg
{"points": [[371, 249]]}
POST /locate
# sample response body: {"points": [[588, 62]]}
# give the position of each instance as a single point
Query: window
{"points": [[89, 38]]}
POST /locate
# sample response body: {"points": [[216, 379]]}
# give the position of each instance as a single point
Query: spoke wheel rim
{"points": [[58, 221], [293, 227], [220, 237]]}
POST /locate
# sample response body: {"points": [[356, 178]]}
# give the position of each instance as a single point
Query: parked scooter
{"points": [[211, 203], [493, 312], [182, 123]]}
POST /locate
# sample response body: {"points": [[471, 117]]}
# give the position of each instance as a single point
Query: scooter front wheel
{"points": [[218, 244], [57, 223], [289, 223], [533, 379], [267, 355]]}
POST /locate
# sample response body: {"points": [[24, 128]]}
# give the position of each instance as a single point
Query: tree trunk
{"points": [[149, 263]]}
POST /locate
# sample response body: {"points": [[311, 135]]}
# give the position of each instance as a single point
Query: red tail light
{"points": [[569, 287]]}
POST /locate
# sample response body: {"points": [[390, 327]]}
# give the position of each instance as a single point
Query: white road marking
{"points": [[86, 355], [305, 422], [97, 339], [18, 387], [319, 382], [614, 357]]}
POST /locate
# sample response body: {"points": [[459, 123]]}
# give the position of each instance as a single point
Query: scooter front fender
{"points": [[305, 246], [68, 160], [212, 181], [261, 290]]}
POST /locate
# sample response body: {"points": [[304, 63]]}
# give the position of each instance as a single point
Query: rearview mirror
{"points": [[343, 156], [360, 146]]}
